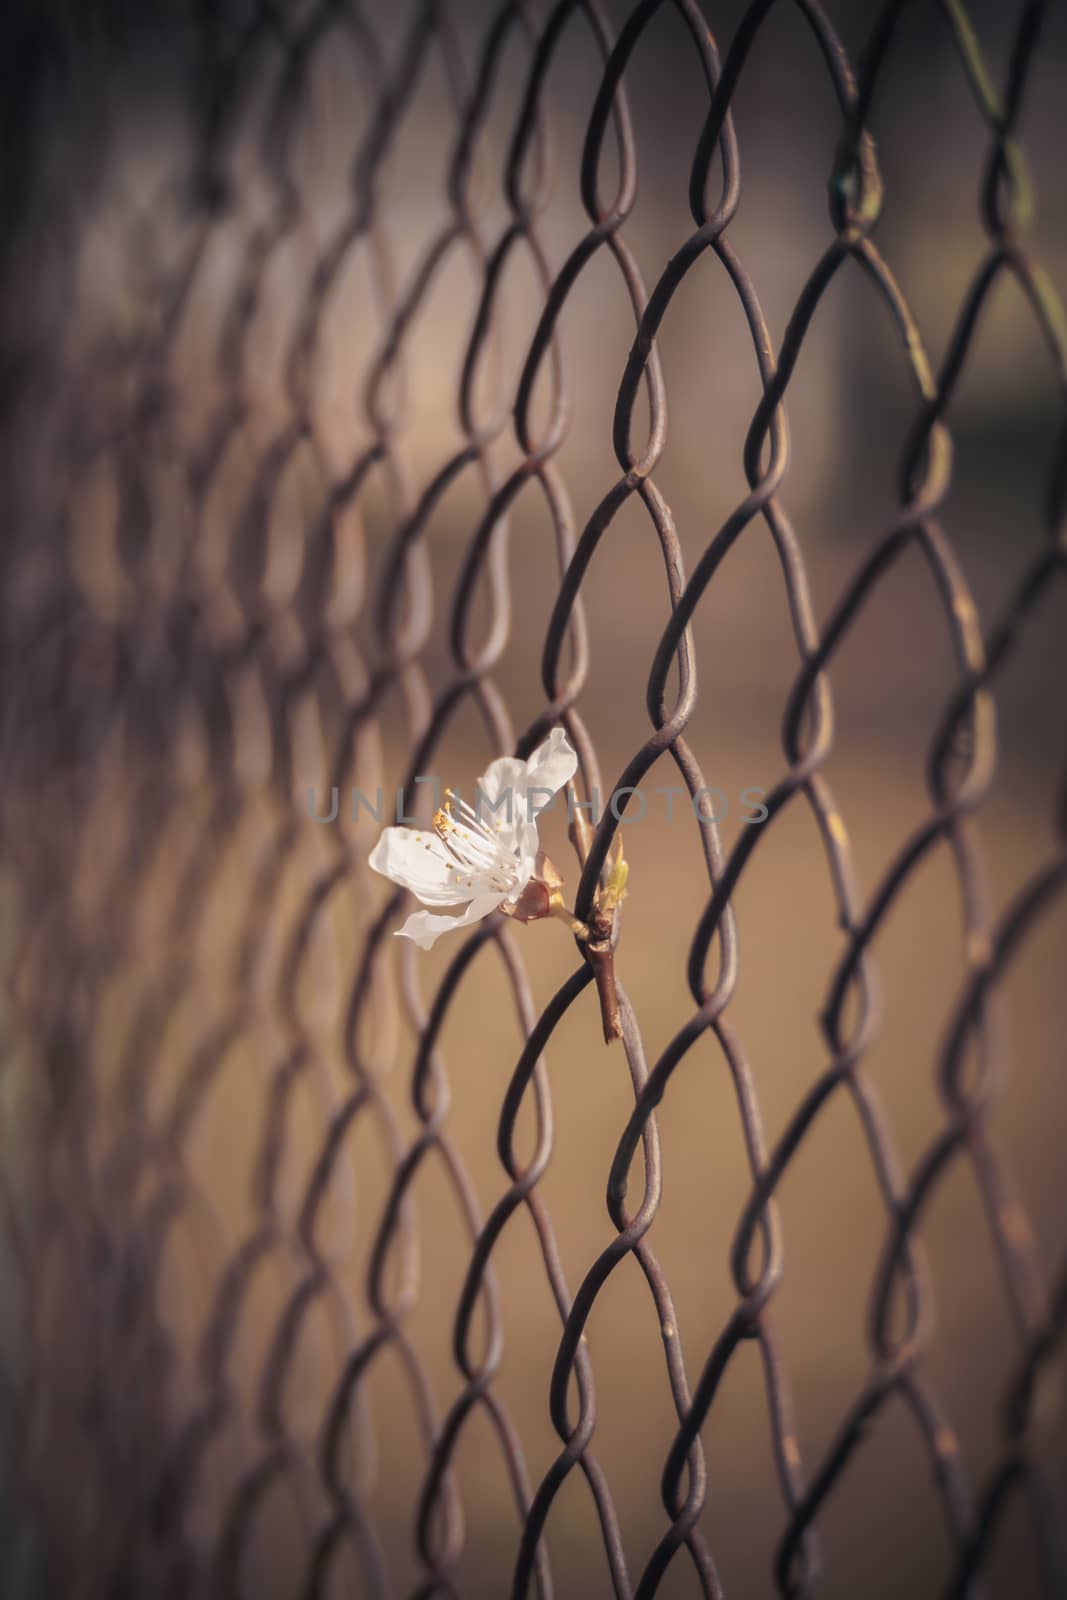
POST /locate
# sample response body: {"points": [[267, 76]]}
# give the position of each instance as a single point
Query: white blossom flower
{"points": [[485, 857]]}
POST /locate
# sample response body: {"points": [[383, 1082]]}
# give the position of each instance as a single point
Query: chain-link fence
{"points": [[338, 351]]}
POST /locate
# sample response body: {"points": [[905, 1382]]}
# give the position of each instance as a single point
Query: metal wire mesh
{"points": [[219, 592]]}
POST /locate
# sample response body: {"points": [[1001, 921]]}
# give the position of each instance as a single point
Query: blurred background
{"points": [[242, 287]]}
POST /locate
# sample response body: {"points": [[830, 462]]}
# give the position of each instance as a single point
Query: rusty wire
{"points": [[228, 634]]}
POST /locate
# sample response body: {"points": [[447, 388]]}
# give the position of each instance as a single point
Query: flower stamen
{"points": [[470, 846]]}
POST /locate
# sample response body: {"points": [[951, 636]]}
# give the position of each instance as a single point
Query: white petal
{"points": [[552, 764], [527, 845], [419, 862], [499, 799], [507, 772], [425, 928]]}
